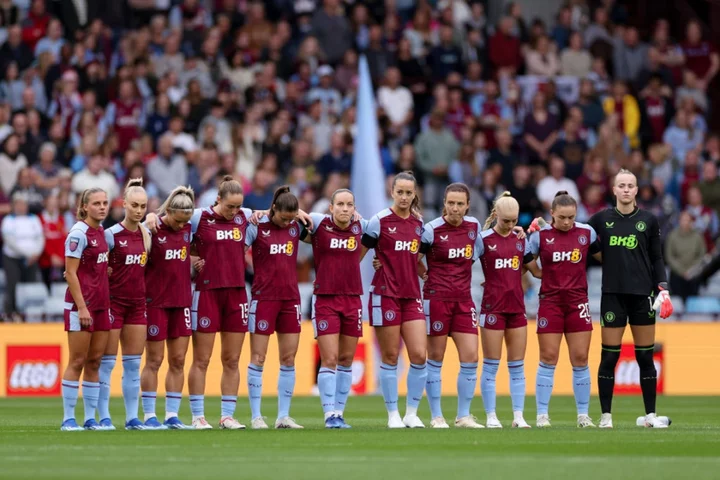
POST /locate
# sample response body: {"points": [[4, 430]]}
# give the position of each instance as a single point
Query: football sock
{"points": [[131, 385], [286, 387], [327, 386], [90, 392], [487, 383], [581, 388], [433, 387], [609, 356], [227, 405], [70, 395], [107, 364], [197, 406], [648, 376], [254, 380], [389, 386], [416, 378], [516, 369], [172, 404], [148, 404], [342, 389], [466, 382]]}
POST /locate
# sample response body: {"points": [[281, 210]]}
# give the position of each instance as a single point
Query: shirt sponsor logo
{"points": [[574, 256], [465, 252], [282, 248], [512, 263], [344, 244], [411, 246], [627, 241], [235, 234], [177, 254]]}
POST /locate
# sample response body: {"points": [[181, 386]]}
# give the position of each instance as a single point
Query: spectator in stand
{"points": [[705, 220], [524, 192], [332, 29], [690, 89], [52, 42], [15, 50], [575, 60], [26, 185], [592, 202], [684, 250], [592, 109], [436, 148], [625, 108], [52, 260], [710, 186], [504, 49], [541, 130], [711, 153], [555, 182], [600, 76], [701, 56], [11, 162], [570, 147], [542, 60], [682, 137], [23, 242], [47, 169], [397, 101], [656, 109], [95, 175], [446, 57], [654, 67], [36, 24], [630, 55]]}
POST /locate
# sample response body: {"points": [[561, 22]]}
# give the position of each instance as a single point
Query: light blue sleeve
{"points": [[593, 235], [532, 245], [195, 220], [247, 212], [373, 227], [479, 246], [428, 235], [75, 243], [364, 225], [317, 218], [110, 239], [250, 234]]}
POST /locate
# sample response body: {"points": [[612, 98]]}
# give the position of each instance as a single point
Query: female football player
{"points": [[128, 242], [87, 304]]}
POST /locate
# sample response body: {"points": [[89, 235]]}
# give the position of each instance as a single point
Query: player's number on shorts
{"points": [[186, 312], [584, 310], [297, 313], [473, 312], [359, 318], [244, 311]]}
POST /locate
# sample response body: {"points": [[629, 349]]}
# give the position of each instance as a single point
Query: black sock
{"points": [[648, 376], [609, 357]]}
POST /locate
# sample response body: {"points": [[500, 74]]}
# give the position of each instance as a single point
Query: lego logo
{"points": [[34, 376], [33, 370]]}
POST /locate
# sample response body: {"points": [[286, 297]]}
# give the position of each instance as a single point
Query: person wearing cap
{"points": [[23, 242], [325, 92]]}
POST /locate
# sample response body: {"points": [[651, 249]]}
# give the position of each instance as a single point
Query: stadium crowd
{"points": [[183, 92]]}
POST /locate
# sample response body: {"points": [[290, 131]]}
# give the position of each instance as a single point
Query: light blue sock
{"points": [[327, 385], [433, 387], [107, 364], [487, 384], [131, 385], [286, 387], [342, 389], [581, 388], [70, 395], [466, 382], [227, 405], [543, 387], [254, 380], [389, 386], [197, 405], [172, 404], [516, 370], [91, 392], [416, 379], [148, 402]]}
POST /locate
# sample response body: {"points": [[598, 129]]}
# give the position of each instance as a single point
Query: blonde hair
{"points": [[181, 199], [135, 185], [625, 171], [504, 202], [84, 199]]}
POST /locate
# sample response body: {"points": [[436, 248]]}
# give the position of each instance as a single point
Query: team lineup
{"points": [[131, 286]]}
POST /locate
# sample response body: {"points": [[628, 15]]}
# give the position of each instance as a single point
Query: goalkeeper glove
{"points": [[663, 304]]}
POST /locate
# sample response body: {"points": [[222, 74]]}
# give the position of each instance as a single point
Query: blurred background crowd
{"points": [[93, 93]]}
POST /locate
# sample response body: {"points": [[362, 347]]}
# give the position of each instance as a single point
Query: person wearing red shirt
{"points": [[701, 56], [505, 49], [36, 23], [52, 259]]}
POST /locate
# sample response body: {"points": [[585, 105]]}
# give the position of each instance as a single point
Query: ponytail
{"points": [[562, 199], [229, 186], [181, 199], [504, 201], [84, 199], [283, 201]]}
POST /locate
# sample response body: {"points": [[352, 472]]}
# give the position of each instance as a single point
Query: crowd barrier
{"points": [[32, 359]]}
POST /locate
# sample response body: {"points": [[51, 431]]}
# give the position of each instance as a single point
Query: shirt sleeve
{"points": [[428, 238], [75, 243], [595, 246], [364, 224], [110, 239], [532, 245], [195, 220], [247, 212], [250, 234], [479, 246], [372, 233], [317, 218]]}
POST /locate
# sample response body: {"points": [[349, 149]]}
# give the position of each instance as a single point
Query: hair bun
{"points": [[506, 193], [135, 182], [228, 178], [562, 192]]}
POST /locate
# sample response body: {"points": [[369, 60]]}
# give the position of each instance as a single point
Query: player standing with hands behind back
{"points": [[633, 270]]}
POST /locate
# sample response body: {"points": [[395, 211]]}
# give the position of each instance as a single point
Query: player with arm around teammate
{"points": [[275, 303], [502, 311], [87, 307], [563, 248], [337, 306], [448, 244], [128, 243], [169, 297], [633, 272], [219, 302], [395, 302]]}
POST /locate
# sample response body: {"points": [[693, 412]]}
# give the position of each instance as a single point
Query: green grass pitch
{"points": [[32, 447]]}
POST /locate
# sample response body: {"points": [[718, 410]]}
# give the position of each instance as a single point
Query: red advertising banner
{"points": [[627, 372]]}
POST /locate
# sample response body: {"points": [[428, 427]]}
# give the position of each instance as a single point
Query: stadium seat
{"points": [[706, 305], [57, 290], [54, 309], [34, 313], [30, 295]]}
